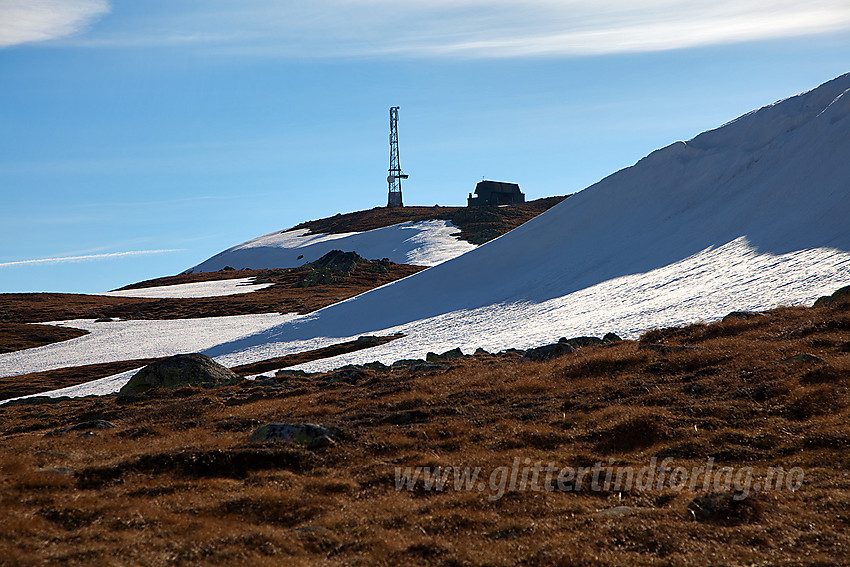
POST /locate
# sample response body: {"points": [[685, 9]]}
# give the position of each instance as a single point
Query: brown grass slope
{"points": [[20, 336], [177, 480]]}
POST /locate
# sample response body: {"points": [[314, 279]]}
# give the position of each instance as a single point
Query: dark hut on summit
{"points": [[495, 193]]}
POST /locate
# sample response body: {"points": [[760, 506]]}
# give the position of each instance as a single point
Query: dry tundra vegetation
{"points": [[177, 479]]}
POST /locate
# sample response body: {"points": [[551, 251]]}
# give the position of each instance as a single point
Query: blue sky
{"points": [[141, 137]]}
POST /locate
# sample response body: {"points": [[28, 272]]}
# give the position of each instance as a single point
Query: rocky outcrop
{"points": [[330, 267], [448, 355], [180, 370], [566, 346]]}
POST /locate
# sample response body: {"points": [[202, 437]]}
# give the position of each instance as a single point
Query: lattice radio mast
{"points": [[395, 176]]}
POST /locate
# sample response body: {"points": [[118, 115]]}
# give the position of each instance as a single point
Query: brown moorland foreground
{"points": [[178, 481]]}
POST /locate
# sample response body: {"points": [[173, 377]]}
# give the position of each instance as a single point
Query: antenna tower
{"points": [[396, 175]]}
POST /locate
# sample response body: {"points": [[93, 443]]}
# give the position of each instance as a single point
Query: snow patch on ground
{"points": [[128, 340], [218, 288], [424, 243]]}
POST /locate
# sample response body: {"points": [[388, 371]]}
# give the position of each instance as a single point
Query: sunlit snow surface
{"points": [[189, 290], [424, 243], [704, 287], [129, 340], [749, 216]]}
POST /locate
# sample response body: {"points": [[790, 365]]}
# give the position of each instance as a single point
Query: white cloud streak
{"points": [[87, 258], [28, 21], [474, 28]]}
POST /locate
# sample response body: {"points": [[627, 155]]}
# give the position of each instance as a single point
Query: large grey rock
{"points": [[180, 370]]}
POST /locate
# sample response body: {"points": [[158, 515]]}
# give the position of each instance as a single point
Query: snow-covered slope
{"points": [[425, 243], [760, 204], [751, 215]]}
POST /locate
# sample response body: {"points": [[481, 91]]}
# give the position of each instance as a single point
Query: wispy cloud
{"points": [[87, 258], [475, 28], [27, 21]]}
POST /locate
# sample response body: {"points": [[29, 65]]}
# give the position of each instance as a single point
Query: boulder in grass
{"points": [[310, 434], [579, 342], [448, 355], [548, 352], [611, 338], [180, 370]]}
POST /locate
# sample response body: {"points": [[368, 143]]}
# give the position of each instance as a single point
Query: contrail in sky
{"points": [[85, 258]]}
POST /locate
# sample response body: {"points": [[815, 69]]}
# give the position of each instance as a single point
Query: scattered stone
{"points": [[407, 362], [725, 507], [611, 338], [62, 471], [349, 375], [513, 352], [104, 320], [96, 424], [310, 434], [381, 266], [480, 352], [366, 341], [85, 426], [448, 355], [548, 352], [285, 374], [329, 268], [804, 358], [579, 342], [180, 370], [338, 261], [376, 365]]}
